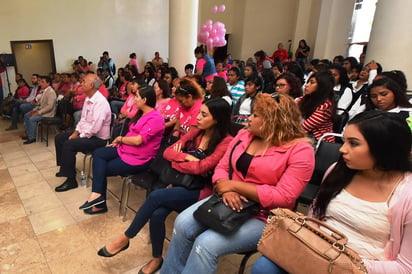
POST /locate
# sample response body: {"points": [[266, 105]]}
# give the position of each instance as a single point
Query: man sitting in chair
{"points": [[45, 108], [92, 131]]}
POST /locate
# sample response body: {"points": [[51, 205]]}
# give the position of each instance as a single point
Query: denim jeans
{"points": [[116, 105], [157, 207], [195, 248], [26, 107], [106, 162], [263, 265], [30, 125]]}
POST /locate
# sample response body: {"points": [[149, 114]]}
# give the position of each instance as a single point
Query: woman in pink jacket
{"points": [[367, 195], [210, 138], [272, 162]]}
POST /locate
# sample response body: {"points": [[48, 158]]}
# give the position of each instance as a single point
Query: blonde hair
{"points": [[281, 118]]}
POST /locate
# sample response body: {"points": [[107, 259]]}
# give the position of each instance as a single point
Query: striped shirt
{"points": [[236, 90], [320, 121]]}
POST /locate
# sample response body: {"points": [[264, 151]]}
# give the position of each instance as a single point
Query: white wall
{"points": [[89, 27]]}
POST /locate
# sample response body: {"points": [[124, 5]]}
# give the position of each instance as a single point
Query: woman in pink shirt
{"points": [[272, 162], [189, 95], [367, 194], [210, 138], [129, 154]]}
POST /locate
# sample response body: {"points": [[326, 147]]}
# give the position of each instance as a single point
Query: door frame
{"points": [[48, 41]]}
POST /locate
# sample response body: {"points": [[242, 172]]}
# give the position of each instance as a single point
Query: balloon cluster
{"points": [[213, 34]]}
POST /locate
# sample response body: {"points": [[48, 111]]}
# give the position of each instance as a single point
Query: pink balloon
{"points": [[222, 8], [214, 9], [203, 36], [204, 27], [209, 22]]}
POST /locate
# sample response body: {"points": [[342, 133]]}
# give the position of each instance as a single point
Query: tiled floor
{"points": [[42, 231]]}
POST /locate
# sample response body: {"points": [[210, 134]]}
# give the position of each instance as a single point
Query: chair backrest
{"points": [[113, 119], [342, 118], [325, 155]]}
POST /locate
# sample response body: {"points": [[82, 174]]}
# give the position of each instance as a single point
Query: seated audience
{"points": [[211, 137], [318, 105], [287, 83], [46, 107], [342, 87], [130, 154], [367, 195], [162, 91], [385, 94], [92, 131], [244, 106], [272, 164], [26, 104], [280, 53], [235, 84], [189, 95], [217, 88]]}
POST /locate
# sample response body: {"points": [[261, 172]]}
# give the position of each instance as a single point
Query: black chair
{"points": [[326, 154], [47, 122]]}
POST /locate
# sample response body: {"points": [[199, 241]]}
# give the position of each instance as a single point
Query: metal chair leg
{"points": [[127, 181]]}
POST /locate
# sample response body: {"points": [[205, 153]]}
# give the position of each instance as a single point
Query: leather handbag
{"points": [[221, 218], [170, 175], [298, 245]]}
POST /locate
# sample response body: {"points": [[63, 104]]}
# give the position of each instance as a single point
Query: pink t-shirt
{"points": [[223, 75], [161, 106], [23, 92], [172, 110], [123, 92], [129, 106], [150, 127], [188, 116]]}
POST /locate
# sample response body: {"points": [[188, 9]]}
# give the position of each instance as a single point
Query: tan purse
{"points": [[299, 246]]}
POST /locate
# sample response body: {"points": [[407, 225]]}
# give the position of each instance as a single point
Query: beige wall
{"points": [[89, 27], [122, 26], [254, 25]]}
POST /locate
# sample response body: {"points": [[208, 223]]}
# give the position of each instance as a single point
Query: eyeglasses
{"points": [[280, 85], [275, 96]]}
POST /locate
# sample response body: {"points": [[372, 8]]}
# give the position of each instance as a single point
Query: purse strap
{"points": [[230, 159]]}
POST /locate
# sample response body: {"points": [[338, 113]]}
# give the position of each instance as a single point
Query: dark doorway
{"points": [[34, 56], [220, 53]]}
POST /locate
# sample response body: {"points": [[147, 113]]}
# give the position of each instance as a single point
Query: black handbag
{"points": [[168, 175], [221, 218]]}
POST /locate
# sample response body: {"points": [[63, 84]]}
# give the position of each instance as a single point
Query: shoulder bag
{"points": [[298, 245], [221, 218]]}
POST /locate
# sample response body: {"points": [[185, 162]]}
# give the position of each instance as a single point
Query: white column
{"points": [[333, 28], [391, 40], [183, 31]]}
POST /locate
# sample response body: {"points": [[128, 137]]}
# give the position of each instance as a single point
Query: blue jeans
{"points": [[106, 162], [116, 105], [30, 125], [195, 248], [157, 207], [26, 107], [263, 265]]}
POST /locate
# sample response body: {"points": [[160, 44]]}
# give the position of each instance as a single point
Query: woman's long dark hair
{"points": [[148, 93], [389, 139], [324, 92], [221, 112], [219, 88]]}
